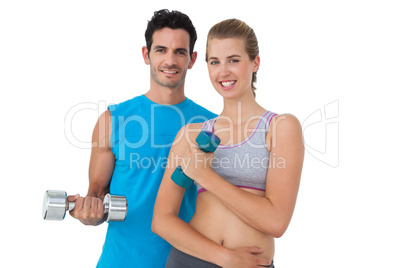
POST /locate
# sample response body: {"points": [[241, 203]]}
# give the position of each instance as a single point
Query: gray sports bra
{"points": [[245, 164]]}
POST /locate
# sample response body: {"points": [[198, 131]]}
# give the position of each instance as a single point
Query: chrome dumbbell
{"points": [[55, 205]]}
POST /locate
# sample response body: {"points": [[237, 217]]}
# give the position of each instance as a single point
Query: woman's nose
{"points": [[224, 70]]}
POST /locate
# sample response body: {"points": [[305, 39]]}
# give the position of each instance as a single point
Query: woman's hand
{"points": [[245, 257], [196, 164]]}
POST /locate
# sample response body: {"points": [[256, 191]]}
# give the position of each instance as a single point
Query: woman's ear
{"points": [[256, 66]]}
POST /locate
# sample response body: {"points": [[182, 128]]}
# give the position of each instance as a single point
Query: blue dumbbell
{"points": [[207, 142]]}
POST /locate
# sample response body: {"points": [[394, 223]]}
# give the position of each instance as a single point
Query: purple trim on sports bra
{"points": [[240, 186], [268, 122]]}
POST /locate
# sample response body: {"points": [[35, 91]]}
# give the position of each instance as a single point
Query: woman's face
{"points": [[230, 68]]}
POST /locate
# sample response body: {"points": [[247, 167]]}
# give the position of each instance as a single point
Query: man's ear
{"points": [[193, 59], [145, 55]]}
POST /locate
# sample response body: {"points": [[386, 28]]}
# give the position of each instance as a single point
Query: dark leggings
{"points": [[180, 259]]}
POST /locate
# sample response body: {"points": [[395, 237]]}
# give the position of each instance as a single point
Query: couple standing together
{"points": [[232, 214]]}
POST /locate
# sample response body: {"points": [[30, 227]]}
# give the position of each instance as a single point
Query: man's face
{"points": [[169, 57]]}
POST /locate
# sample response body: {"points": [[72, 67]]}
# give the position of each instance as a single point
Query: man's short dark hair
{"points": [[173, 20]]}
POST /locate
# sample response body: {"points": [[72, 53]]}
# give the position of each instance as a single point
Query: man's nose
{"points": [[170, 58]]}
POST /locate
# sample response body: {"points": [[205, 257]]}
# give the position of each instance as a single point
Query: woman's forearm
{"points": [[188, 240], [256, 211]]}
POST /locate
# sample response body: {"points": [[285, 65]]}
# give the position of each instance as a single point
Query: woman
{"points": [[247, 188]]}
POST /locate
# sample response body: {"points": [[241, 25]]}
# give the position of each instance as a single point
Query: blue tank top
{"points": [[141, 137], [244, 164]]}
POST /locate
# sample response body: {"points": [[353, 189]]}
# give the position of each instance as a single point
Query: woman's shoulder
{"points": [[188, 133], [286, 126], [287, 118], [192, 127]]}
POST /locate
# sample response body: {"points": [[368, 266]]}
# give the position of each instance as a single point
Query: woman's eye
{"points": [[214, 62]]}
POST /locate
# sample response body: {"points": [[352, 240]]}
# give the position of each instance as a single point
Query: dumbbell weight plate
{"points": [[55, 205], [115, 208]]}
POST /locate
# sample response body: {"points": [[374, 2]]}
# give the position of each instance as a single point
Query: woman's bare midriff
{"points": [[215, 221]]}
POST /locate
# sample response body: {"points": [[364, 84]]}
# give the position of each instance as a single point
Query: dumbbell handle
{"points": [[71, 206]]}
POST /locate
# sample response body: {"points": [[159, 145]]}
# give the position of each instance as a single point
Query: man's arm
{"points": [[89, 209]]}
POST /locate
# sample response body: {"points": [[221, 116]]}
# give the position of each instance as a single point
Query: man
{"points": [[131, 143]]}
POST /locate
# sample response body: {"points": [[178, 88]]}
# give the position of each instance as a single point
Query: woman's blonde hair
{"points": [[234, 28]]}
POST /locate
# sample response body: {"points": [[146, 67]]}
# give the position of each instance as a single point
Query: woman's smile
{"points": [[228, 84]]}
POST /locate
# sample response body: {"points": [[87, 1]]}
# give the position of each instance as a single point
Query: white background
{"points": [[62, 62]]}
